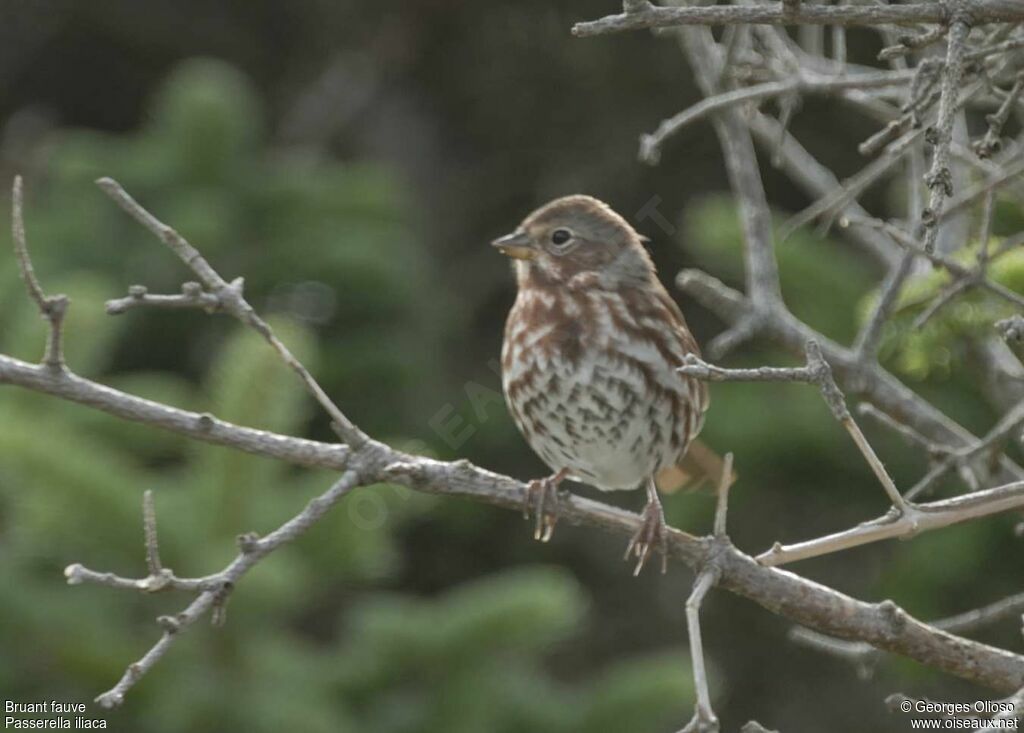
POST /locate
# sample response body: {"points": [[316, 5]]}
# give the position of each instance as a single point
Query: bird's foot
{"points": [[652, 536], [541, 499]]}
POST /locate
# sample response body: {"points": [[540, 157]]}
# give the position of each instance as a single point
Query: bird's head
{"points": [[576, 235]]}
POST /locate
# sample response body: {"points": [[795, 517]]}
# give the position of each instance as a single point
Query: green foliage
{"points": [[313, 642], [331, 245], [468, 661], [937, 348], [808, 265]]}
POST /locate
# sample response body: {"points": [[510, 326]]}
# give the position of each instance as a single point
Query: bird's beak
{"points": [[516, 245]]}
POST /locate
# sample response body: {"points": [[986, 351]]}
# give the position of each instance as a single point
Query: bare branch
{"points": [[199, 426], [192, 296], [215, 588], [231, 300], [817, 372], [149, 527], [1000, 432], [908, 43], [803, 83], [651, 16], [960, 272], [992, 142], [464, 480], [704, 719], [908, 433], [913, 520], [51, 307], [865, 656], [803, 601], [869, 380], [871, 334], [744, 174], [939, 178], [816, 180]]}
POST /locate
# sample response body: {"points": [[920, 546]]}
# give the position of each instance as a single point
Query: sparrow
{"points": [[589, 362]]}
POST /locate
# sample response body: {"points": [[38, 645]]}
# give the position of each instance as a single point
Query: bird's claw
{"points": [[650, 537], [541, 499]]}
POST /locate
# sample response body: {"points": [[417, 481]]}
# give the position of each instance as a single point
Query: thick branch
{"points": [[816, 179], [744, 174], [864, 655], [810, 604], [803, 601], [651, 16], [200, 426]]}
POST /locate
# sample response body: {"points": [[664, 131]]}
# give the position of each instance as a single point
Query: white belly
{"points": [[598, 419]]}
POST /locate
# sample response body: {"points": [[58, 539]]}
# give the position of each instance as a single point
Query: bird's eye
{"points": [[560, 236]]}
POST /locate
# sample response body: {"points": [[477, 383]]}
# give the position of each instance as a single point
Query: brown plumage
{"points": [[589, 359]]}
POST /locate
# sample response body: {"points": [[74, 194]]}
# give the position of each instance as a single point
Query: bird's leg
{"points": [[541, 497], [651, 536]]}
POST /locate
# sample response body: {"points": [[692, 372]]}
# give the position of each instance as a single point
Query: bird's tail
{"points": [[700, 466]]}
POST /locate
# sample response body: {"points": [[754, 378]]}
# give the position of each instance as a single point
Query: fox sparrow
{"points": [[589, 361]]}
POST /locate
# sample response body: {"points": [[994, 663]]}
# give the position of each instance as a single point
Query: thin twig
{"points": [[650, 144], [818, 372], [1007, 174], [917, 518], [909, 42], [149, 530], [946, 296], [192, 296], [939, 179], [816, 180], [992, 142], [871, 381], [215, 587], [959, 271], [722, 506], [870, 335], [1000, 432], [51, 307], [851, 188], [912, 437], [231, 300], [704, 719]]}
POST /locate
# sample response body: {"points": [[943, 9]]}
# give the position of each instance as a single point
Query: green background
{"points": [[352, 162]]}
